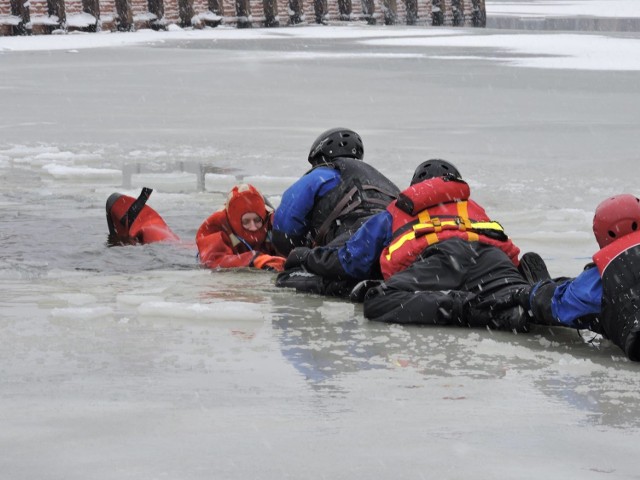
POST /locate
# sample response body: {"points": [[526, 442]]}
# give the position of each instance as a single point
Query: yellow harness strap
{"points": [[463, 215], [430, 227]]}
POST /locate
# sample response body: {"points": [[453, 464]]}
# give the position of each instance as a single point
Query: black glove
{"points": [[514, 298], [297, 258], [360, 290], [325, 261], [284, 243]]}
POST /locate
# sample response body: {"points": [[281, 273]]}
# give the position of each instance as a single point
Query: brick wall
{"points": [[38, 19], [108, 14]]}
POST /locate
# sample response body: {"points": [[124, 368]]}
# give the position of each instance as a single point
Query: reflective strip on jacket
{"points": [[444, 211]]}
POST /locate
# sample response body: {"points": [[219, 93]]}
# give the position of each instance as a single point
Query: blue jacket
{"points": [[292, 217], [576, 298], [359, 257]]}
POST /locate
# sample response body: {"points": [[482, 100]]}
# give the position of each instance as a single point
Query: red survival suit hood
{"points": [[246, 199]]}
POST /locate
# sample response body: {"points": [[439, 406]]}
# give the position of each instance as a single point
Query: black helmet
{"points": [[334, 143], [434, 168]]}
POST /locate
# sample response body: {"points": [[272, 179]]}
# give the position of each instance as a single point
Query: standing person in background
{"points": [[605, 297]]}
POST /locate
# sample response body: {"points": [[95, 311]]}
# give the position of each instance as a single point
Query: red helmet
{"points": [[616, 217], [243, 199]]}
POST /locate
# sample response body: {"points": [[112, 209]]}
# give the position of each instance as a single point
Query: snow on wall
{"points": [[309, 11]]}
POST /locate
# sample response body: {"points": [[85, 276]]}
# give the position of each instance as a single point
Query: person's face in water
{"points": [[251, 221]]}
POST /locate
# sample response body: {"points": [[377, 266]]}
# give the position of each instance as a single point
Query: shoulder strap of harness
{"points": [[379, 201], [431, 226], [342, 208], [348, 204]]}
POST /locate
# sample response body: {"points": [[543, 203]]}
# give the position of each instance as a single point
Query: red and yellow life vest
{"points": [[603, 257], [434, 210], [619, 266]]}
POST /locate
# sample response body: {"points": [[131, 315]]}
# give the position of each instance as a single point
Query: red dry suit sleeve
{"points": [[215, 251], [212, 224]]}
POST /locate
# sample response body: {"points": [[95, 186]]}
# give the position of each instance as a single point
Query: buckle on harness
{"points": [[461, 223]]}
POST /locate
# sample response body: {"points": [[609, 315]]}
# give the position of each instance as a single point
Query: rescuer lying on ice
{"points": [[439, 253], [333, 199], [237, 235], [328, 204], [605, 297]]}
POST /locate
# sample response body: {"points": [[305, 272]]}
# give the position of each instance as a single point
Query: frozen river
{"points": [[133, 363]]}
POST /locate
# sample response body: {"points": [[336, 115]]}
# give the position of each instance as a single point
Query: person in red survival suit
{"points": [[132, 222], [605, 297], [239, 235]]}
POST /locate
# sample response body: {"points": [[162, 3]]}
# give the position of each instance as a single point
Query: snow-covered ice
{"points": [[561, 8]]}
